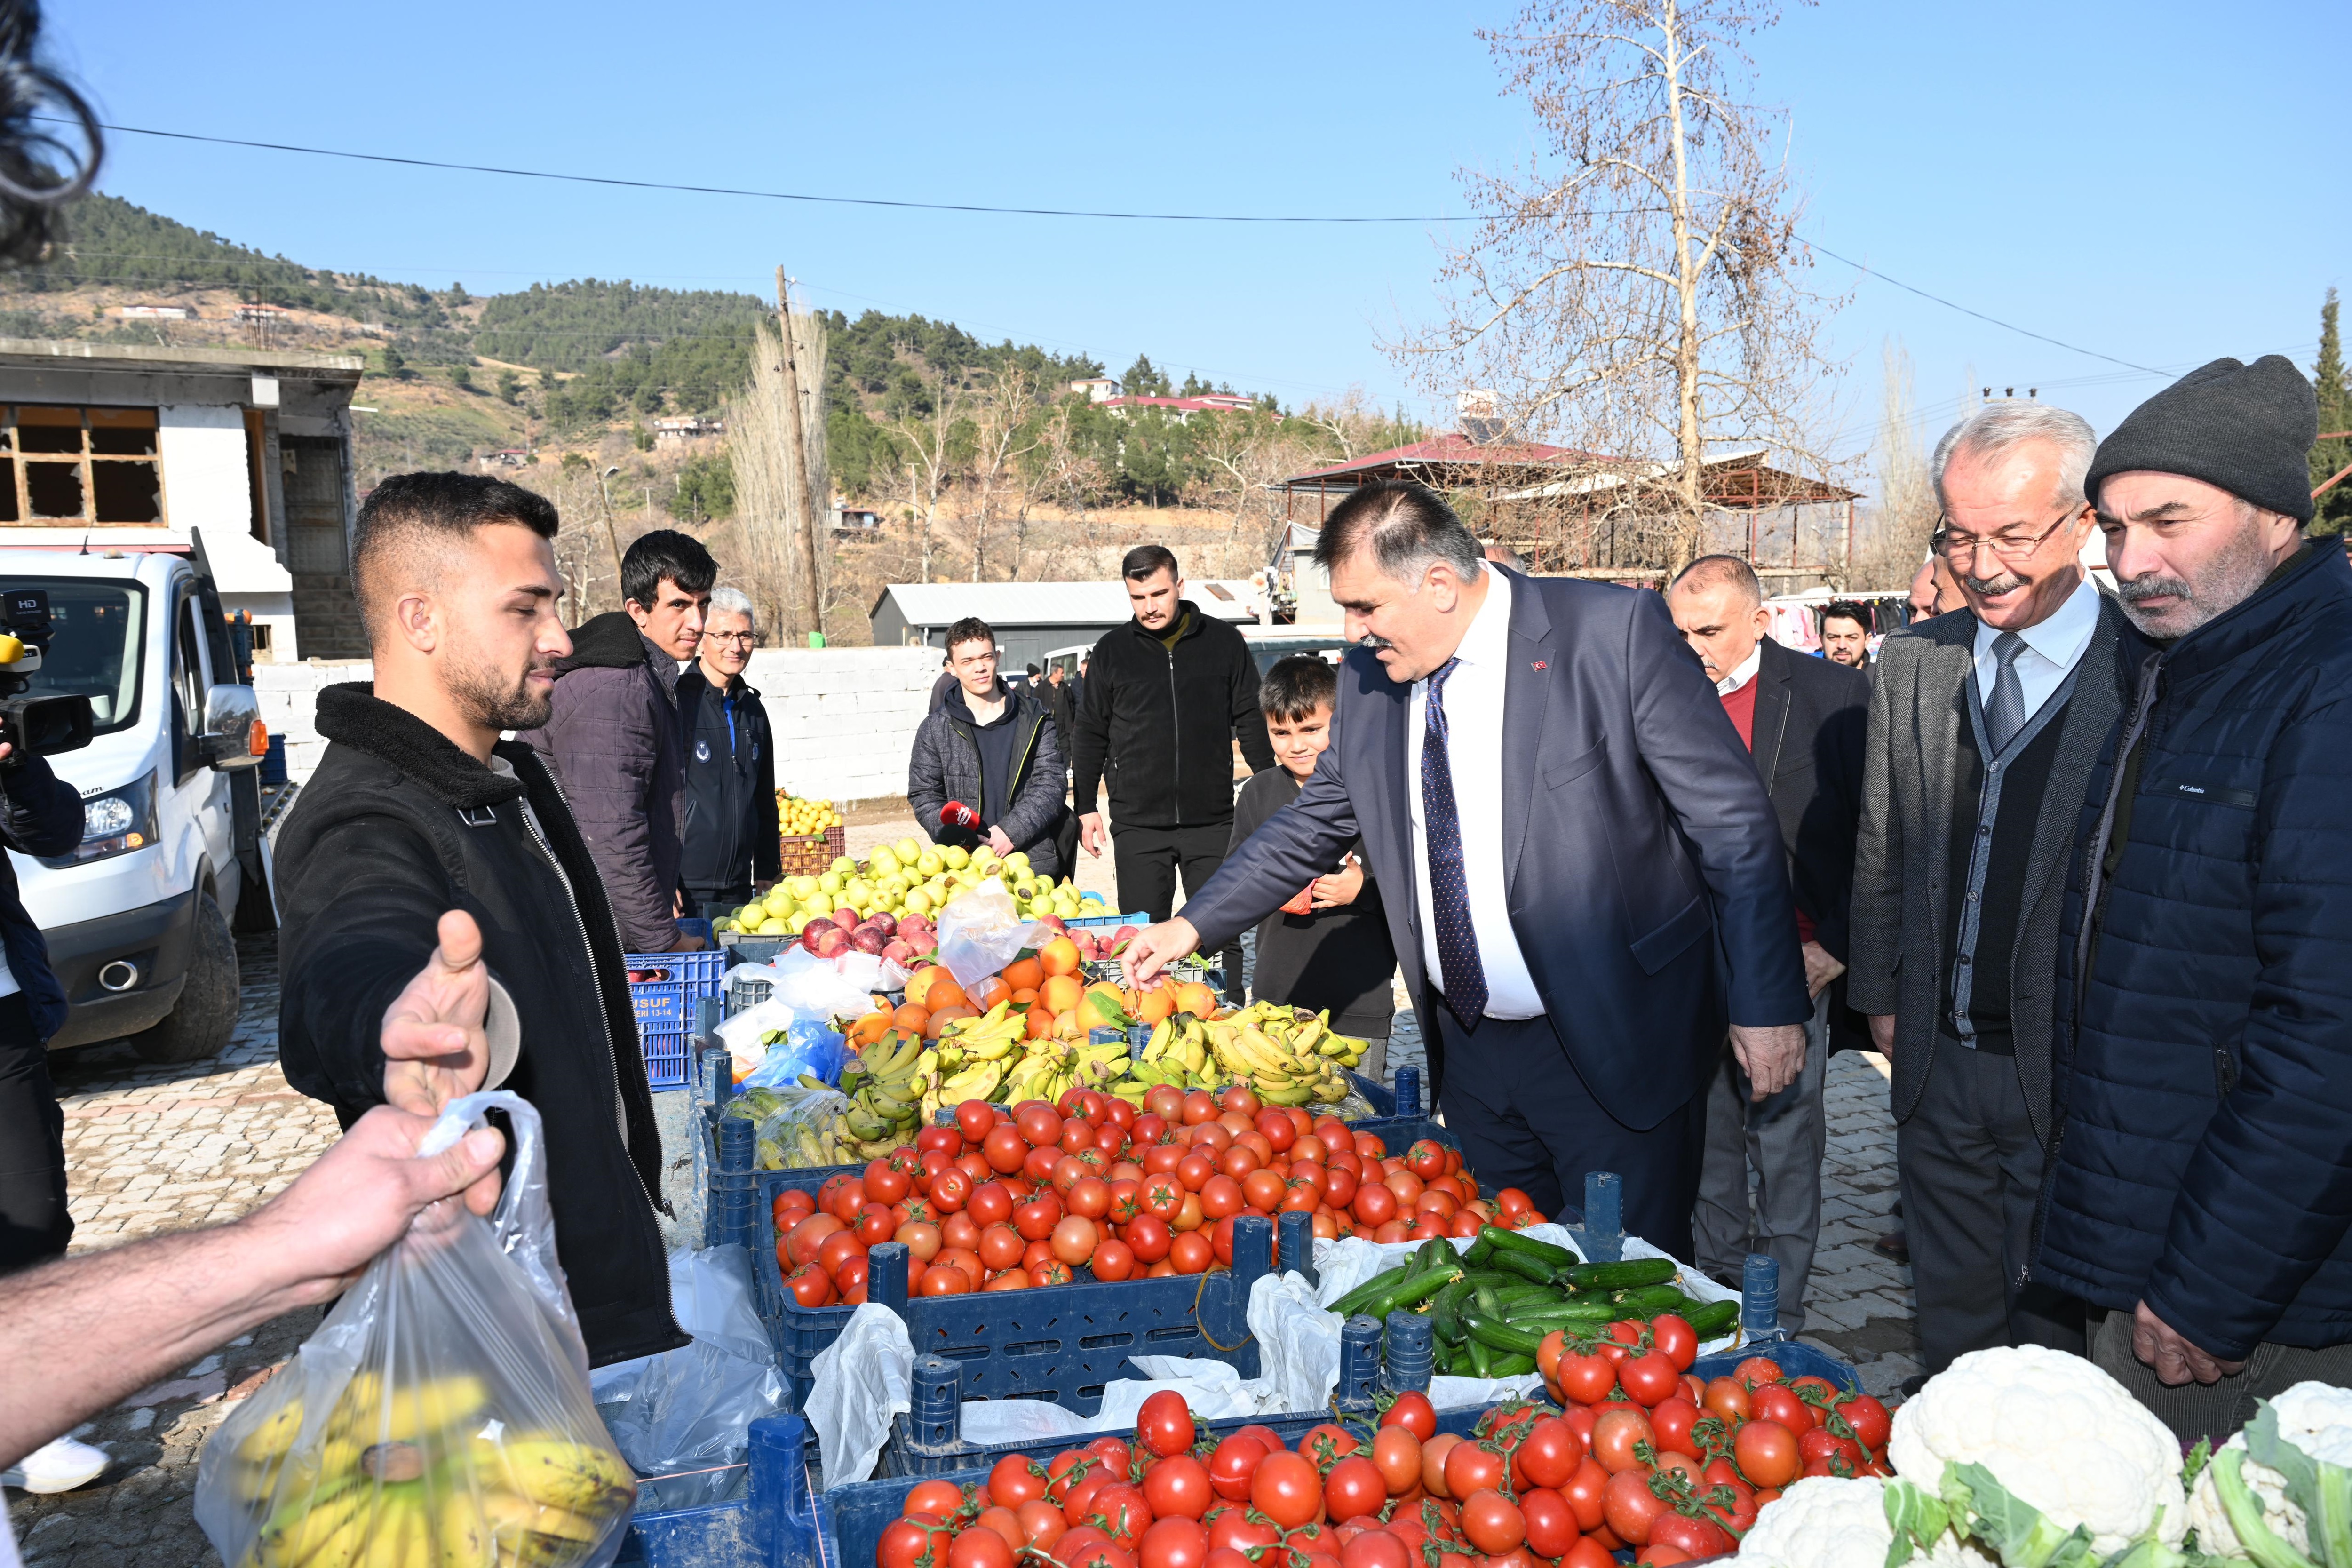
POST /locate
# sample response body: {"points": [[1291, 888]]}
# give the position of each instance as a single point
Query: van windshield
{"points": [[97, 627]]}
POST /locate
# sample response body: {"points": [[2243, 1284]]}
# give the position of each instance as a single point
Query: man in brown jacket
{"points": [[617, 742]]}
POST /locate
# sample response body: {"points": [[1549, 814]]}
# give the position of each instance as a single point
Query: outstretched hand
{"points": [[436, 1044], [1156, 947]]}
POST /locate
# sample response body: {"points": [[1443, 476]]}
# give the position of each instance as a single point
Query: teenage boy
{"points": [[1329, 946], [987, 767]]}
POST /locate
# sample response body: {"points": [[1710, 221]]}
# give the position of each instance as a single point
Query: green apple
{"points": [[803, 886], [918, 902], [815, 904], [884, 862], [843, 864], [1017, 861], [771, 926], [928, 863], [907, 851], [831, 882], [797, 922], [955, 857]]}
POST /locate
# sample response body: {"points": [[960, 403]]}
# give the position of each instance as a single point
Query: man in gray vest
{"points": [[1979, 716]]}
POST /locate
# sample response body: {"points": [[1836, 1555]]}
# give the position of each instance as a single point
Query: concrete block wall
{"points": [[844, 719]]}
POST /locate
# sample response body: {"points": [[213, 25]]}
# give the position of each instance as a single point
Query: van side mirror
{"points": [[232, 735]]}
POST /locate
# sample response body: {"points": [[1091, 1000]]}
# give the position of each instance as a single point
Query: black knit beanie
{"points": [[2247, 428]]}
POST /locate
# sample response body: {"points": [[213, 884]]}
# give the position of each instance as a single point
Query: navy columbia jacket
{"points": [[2204, 1071]]}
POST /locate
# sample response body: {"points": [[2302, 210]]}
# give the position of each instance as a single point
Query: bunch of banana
{"points": [[1289, 1056], [887, 1084], [1178, 1054], [407, 1479]]}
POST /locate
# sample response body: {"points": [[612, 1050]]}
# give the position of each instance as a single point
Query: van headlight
{"points": [[114, 823]]}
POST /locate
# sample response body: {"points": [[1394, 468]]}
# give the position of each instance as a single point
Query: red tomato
{"points": [[811, 1286], [1675, 1340], [1767, 1455], [1549, 1454], [981, 1549], [1042, 1523], [1233, 1463], [1287, 1490], [1631, 1507], [1586, 1492], [1672, 1420], [1868, 1418], [1649, 1380], [1175, 1542], [1757, 1370], [1164, 1424], [1074, 1240], [1396, 1453], [1150, 1236], [1615, 1432], [1728, 1399], [1586, 1379], [1178, 1485], [1374, 1549], [1425, 1158], [905, 1541], [1415, 1413], [1472, 1468], [1119, 1509], [1493, 1525], [1820, 1443], [1355, 1486], [1587, 1552], [1779, 1402], [1697, 1537], [1014, 1480], [1113, 1261], [1550, 1523], [1434, 1455], [1741, 1513], [950, 1190]]}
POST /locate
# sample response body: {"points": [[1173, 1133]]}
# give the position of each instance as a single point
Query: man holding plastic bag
{"points": [[422, 833]]}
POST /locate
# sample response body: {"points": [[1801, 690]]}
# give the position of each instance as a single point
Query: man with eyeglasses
{"points": [[1979, 716], [730, 764]]}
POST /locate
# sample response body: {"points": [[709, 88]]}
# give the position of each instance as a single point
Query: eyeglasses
{"points": [[733, 639], [2009, 546]]}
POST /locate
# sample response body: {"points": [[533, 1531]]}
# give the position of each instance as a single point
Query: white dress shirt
{"points": [[1473, 718], [2052, 647], [1744, 673]]}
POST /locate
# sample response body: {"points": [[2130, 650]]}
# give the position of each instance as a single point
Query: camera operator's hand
{"points": [[435, 1045]]}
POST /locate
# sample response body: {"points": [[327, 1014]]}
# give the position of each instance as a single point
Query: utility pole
{"points": [[612, 540], [800, 543]]}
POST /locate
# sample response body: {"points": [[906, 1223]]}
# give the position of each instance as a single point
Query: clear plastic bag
{"points": [[441, 1414], [802, 1128], [982, 932]]}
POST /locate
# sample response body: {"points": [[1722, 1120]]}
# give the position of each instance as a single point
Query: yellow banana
{"points": [[400, 1538], [461, 1536], [563, 1473], [303, 1524], [274, 1435], [409, 1413], [512, 1517]]}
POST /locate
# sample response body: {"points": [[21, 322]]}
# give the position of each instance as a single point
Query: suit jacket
{"points": [[1812, 718], [1645, 870], [1901, 857]]}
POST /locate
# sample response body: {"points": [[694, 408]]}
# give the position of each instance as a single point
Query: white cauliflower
{"points": [[2316, 1418], [1829, 1522], [2057, 1433]]}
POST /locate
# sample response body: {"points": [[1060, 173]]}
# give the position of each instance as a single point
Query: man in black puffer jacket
{"points": [[994, 753], [422, 827], [2200, 1193], [1165, 697]]}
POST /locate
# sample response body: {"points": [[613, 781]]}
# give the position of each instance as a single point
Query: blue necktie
{"points": [[1463, 978]]}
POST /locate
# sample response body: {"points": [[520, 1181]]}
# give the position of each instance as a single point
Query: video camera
{"points": [[33, 726]]}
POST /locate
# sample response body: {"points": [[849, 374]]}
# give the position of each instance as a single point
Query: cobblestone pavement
{"points": [[154, 1149]]}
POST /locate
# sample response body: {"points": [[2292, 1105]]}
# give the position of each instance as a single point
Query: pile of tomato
{"points": [[1532, 1485], [1008, 1199]]}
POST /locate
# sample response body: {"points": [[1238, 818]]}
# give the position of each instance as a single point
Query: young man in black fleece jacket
{"points": [[1166, 696], [444, 928]]}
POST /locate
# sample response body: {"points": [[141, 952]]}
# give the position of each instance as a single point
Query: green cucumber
{"points": [[1488, 1303], [1446, 1310], [1528, 1266], [1525, 1290], [1512, 1241], [1652, 1298], [1371, 1289], [1562, 1314], [1510, 1364], [1501, 1336], [1622, 1275], [1413, 1290], [1713, 1321], [1481, 1358], [1480, 1250]]}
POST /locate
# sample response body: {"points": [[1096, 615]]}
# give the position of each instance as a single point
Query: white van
{"points": [[138, 919]]}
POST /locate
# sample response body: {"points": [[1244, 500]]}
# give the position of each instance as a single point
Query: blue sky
{"points": [[2153, 181]]}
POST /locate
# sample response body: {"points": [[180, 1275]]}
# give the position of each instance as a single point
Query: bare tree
{"points": [[758, 444], [1894, 534], [926, 444], [1638, 288], [1005, 431]]}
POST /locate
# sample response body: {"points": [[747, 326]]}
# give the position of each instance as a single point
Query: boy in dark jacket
{"points": [[989, 753], [1165, 698], [614, 739], [423, 843], [2201, 1181], [1329, 946], [730, 764]]}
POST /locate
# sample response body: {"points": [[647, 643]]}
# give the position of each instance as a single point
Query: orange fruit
{"points": [[919, 983], [943, 1017], [1041, 1023], [1196, 999], [1024, 974], [869, 1029], [1022, 999], [1065, 1026], [1059, 956], [943, 992], [910, 1018], [992, 990], [1154, 1005], [1060, 993]]}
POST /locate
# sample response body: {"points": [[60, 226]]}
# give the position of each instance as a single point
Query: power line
{"points": [[763, 196], [1979, 315]]}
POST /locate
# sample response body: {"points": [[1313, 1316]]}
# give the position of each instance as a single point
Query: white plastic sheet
{"points": [[1214, 1392], [862, 1380], [690, 1409], [982, 932]]}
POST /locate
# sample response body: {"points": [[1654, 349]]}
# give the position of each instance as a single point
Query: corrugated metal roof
{"points": [[1051, 604]]}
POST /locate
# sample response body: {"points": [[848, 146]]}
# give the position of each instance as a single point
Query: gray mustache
{"points": [[2133, 590]]}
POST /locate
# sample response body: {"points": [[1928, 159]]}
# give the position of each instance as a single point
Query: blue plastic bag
{"points": [[808, 1047]]}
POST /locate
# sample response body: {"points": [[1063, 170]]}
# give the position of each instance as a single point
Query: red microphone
{"points": [[955, 813]]}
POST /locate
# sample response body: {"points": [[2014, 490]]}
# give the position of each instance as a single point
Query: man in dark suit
{"points": [[1588, 885], [1803, 720], [1979, 718]]}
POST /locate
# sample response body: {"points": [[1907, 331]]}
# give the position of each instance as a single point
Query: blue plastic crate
{"points": [[665, 1008], [773, 1525]]}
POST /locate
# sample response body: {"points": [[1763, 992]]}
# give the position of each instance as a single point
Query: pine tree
{"points": [[2329, 458]]}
